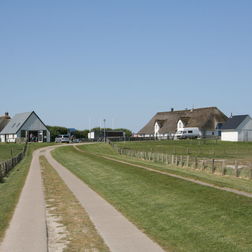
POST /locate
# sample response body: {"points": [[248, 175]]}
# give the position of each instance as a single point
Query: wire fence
{"points": [[7, 165], [222, 167]]}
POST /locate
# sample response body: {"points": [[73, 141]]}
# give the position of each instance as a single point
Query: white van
{"points": [[62, 139], [188, 133]]}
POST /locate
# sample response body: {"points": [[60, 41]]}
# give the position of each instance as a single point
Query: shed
{"points": [[27, 126], [237, 129]]}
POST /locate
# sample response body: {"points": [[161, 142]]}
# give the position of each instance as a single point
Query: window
{"points": [[190, 131]]}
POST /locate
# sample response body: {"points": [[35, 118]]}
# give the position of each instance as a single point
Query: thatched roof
{"points": [[203, 118], [4, 120]]}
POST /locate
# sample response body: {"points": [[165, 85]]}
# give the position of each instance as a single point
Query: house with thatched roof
{"points": [[164, 125]]}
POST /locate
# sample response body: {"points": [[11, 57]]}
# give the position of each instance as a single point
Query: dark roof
{"points": [[203, 118], [234, 122]]}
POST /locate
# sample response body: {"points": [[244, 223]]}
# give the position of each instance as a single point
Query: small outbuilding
{"points": [[25, 126], [237, 129]]}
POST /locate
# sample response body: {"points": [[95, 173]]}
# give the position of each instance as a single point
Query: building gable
{"points": [[33, 122]]}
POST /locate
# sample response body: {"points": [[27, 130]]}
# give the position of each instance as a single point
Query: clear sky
{"points": [[78, 62]]}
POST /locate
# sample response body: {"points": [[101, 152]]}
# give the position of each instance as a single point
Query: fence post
{"points": [[195, 163], [213, 168], [223, 170], [172, 159], [181, 160], [187, 160], [250, 174], [236, 169]]}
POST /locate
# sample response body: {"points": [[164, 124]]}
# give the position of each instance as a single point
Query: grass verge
{"points": [[11, 188], [81, 233], [179, 215]]}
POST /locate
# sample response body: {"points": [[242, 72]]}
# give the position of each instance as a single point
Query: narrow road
{"points": [[28, 233]]}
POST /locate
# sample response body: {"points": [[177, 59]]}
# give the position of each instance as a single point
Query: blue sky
{"points": [[78, 62]]}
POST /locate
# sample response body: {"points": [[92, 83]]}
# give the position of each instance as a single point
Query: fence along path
{"points": [[220, 167], [8, 165]]}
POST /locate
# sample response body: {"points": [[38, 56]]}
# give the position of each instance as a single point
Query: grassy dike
{"points": [[12, 187], [179, 215], [218, 180]]}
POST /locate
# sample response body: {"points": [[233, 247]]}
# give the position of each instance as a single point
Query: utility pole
{"points": [[104, 120]]}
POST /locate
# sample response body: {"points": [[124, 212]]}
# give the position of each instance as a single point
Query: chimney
{"points": [[172, 109], [6, 115]]}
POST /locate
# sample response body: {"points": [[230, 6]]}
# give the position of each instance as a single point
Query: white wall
{"points": [[229, 136], [156, 128]]}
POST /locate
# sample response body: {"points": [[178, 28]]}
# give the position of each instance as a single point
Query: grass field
{"points": [[222, 181], [199, 148], [179, 215], [7, 149], [12, 186]]}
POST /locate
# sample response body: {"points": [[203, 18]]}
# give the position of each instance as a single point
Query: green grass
{"points": [[12, 186], [200, 148], [179, 215], [7, 148], [222, 181]]}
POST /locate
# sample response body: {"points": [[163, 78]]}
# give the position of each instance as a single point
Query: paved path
{"points": [[118, 233], [28, 233], [27, 230]]}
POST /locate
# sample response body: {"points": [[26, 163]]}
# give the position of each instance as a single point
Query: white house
{"points": [[237, 129], [25, 126]]}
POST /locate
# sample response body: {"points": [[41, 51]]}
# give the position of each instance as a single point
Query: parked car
{"points": [[188, 133], [62, 139]]}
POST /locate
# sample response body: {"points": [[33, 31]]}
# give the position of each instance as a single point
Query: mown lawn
{"points": [[222, 181], [199, 148], [8, 149], [11, 188], [179, 215]]}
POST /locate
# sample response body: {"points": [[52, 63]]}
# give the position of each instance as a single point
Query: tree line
{"points": [[82, 134]]}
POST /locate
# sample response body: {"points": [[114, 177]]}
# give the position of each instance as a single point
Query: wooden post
{"points": [[187, 160], [250, 174], [236, 169], [223, 168], [195, 163], [172, 159], [213, 168], [181, 160]]}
